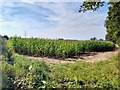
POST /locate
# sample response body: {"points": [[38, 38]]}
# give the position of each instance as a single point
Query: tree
{"points": [[94, 38], [112, 22], [5, 37], [101, 39], [91, 5]]}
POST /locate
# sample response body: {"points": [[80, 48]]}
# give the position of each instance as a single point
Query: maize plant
{"points": [[58, 48]]}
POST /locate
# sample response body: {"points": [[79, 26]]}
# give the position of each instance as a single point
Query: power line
{"points": [[25, 33]]}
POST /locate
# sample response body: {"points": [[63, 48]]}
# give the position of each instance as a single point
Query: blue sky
{"points": [[51, 20]]}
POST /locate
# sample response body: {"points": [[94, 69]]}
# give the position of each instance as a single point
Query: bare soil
{"points": [[93, 57]]}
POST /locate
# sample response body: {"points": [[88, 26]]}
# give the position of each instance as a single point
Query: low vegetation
{"points": [[26, 74], [20, 72], [23, 73], [103, 74]]}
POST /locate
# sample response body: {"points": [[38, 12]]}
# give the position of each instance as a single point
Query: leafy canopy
{"points": [[112, 22]]}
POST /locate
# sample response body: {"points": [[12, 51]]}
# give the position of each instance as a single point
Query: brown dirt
{"points": [[49, 60], [88, 58], [100, 56]]}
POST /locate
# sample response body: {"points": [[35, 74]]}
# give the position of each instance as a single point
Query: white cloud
{"points": [[68, 23], [77, 25], [34, 1]]}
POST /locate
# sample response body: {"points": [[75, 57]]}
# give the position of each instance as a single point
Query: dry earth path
{"points": [[88, 58]]}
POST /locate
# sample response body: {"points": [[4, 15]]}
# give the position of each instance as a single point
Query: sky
{"points": [[51, 20]]}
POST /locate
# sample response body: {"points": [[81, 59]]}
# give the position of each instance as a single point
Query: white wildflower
{"points": [[30, 68]]}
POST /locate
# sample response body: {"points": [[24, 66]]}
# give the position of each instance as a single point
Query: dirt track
{"points": [[88, 58]]}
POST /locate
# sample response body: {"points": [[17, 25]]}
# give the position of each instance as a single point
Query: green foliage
{"points": [[7, 75], [2, 46], [21, 73], [57, 48], [24, 74], [91, 5], [7, 69], [113, 22], [5, 37], [33, 74], [94, 38], [103, 74], [118, 42]]}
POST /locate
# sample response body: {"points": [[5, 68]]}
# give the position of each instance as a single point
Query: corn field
{"points": [[57, 48]]}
